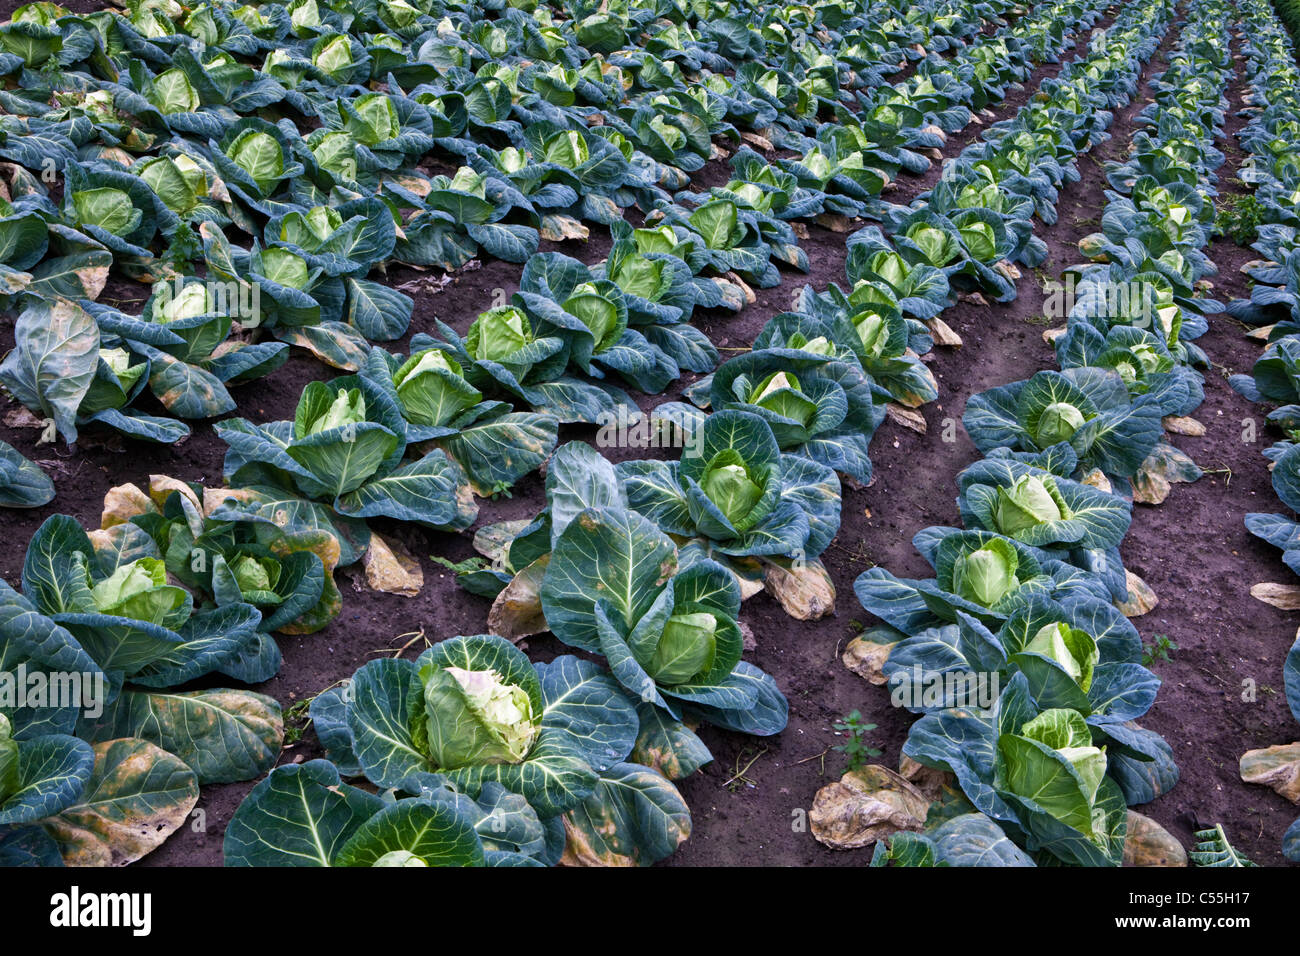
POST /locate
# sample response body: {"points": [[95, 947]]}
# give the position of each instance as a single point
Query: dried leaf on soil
{"points": [[865, 806]]}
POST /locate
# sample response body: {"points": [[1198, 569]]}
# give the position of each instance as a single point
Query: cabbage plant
{"points": [[343, 453], [82, 365], [505, 356], [736, 494], [980, 573], [1079, 652], [306, 815], [284, 570], [104, 611], [439, 405], [22, 483], [817, 406], [1060, 518], [1054, 781], [475, 716], [668, 633], [920, 288], [1089, 409]]}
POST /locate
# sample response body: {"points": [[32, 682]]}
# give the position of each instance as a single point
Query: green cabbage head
{"points": [[1029, 502], [347, 408], [1075, 650], [729, 485], [781, 394], [1057, 423], [498, 334], [686, 648], [987, 574], [109, 209], [431, 388], [1053, 762], [257, 578], [473, 717], [139, 590]]}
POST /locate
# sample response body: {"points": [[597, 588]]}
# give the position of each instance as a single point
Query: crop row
{"points": [[1023, 606], [1272, 169], [255, 164], [156, 123]]}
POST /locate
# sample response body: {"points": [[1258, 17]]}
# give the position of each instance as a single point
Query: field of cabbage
{"points": [[686, 432]]}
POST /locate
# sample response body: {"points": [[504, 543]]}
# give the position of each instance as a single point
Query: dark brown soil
{"points": [[1193, 550]]}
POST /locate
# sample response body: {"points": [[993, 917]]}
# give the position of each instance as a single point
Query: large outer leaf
{"points": [[334, 343], [588, 704], [301, 815], [53, 362], [224, 735], [387, 705], [136, 798], [431, 491], [433, 832], [615, 555], [972, 839], [376, 311], [499, 452], [767, 715], [224, 639], [52, 581], [553, 778], [187, 390], [653, 490], [52, 773], [22, 483], [815, 489], [79, 275], [1291, 679], [284, 510], [634, 817], [329, 718], [962, 742], [668, 745], [28, 846], [578, 478]]}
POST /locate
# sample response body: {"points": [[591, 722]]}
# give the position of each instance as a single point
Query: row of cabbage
{"points": [[162, 166], [1030, 597], [754, 499], [543, 750], [755, 503], [1272, 170]]}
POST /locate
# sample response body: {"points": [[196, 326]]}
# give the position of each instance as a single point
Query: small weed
{"points": [[738, 778], [1160, 649], [296, 719], [856, 748], [1239, 219]]}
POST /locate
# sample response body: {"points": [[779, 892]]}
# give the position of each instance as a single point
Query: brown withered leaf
{"points": [[1147, 843], [865, 806], [390, 568]]}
